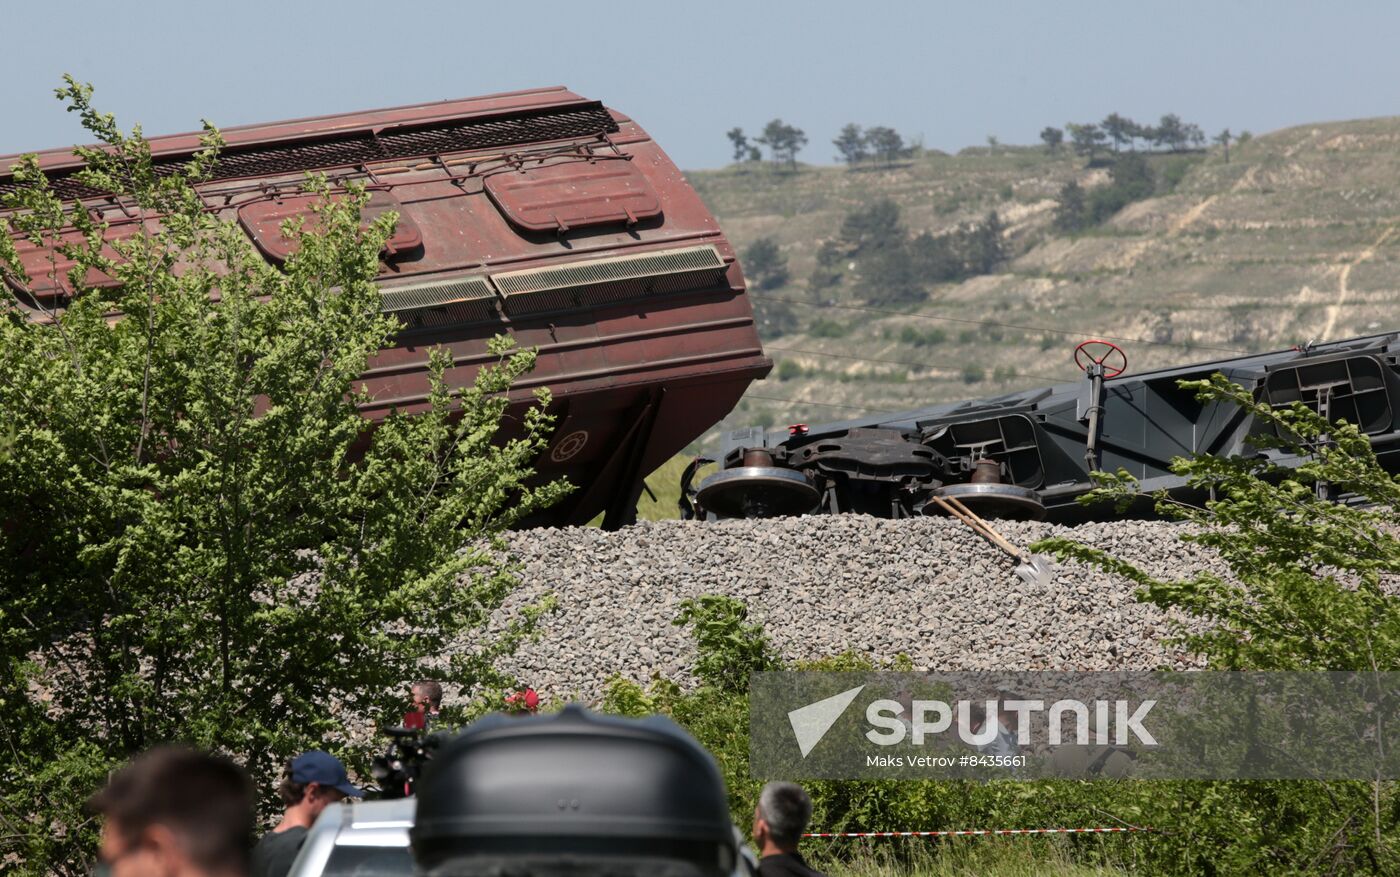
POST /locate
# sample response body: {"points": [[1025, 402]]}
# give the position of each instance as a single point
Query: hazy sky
{"points": [[951, 72]]}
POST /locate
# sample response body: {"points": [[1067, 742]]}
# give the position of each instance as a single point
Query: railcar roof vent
{"points": [[598, 281], [440, 302]]}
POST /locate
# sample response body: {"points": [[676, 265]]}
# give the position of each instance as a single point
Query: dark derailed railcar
{"points": [[537, 214], [1028, 455]]}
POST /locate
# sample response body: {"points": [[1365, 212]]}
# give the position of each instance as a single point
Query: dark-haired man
{"points": [[427, 699], [778, 823], [311, 782], [176, 812]]}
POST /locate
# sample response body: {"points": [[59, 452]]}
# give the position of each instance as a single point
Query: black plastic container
{"points": [[573, 793]]}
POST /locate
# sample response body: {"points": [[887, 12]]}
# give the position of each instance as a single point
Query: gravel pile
{"points": [[928, 588]]}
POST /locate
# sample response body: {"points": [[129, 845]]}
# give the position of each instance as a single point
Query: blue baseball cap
{"points": [[325, 769]]}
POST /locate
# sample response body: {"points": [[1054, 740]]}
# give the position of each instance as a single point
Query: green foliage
{"points": [[973, 374], [824, 328], [743, 150], [784, 141], [896, 270], [1302, 591], [1071, 209], [790, 370], [730, 647], [1087, 139], [885, 144], [872, 227], [927, 338], [766, 264], [1305, 573], [1053, 138], [1172, 170], [891, 277], [1130, 179], [850, 143], [827, 274], [1204, 828], [204, 540]]}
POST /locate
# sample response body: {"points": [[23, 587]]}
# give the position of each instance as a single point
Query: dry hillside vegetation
{"points": [[1297, 237]]}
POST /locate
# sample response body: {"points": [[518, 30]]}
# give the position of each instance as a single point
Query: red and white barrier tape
{"points": [[975, 831]]}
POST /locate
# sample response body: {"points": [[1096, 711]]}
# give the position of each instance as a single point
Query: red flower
{"points": [[526, 701]]}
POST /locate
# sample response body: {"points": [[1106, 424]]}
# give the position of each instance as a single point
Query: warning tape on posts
{"points": [[977, 832]]}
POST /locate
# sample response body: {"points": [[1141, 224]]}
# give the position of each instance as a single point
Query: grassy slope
{"points": [[1295, 238]]}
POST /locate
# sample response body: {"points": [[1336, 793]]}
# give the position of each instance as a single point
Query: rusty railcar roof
{"points": [[337, 125]]}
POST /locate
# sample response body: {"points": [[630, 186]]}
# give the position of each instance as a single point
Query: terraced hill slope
{"points": [[1297, 237]]}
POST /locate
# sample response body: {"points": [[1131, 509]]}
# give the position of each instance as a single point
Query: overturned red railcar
{"points": [[536, 214]]}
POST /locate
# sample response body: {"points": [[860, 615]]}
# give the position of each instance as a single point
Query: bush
{"points": [[873, 227], [766, 264], [790, 369], [823, 328], [973, 374], [1205, 828], [912, 336], [212, 544]]}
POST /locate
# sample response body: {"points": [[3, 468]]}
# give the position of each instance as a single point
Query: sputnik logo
{"points": [[811, 722]]}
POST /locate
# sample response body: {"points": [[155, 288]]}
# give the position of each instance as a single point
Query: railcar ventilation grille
{"points": [[459, 300], [614, 279], [586, 120]]}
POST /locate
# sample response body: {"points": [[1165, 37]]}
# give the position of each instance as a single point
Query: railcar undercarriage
{"points": [[1028, 455]]}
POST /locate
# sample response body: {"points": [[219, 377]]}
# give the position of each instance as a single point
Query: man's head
{"points": [[313, 781], [781, 816], [176, 811], [427, 696]]}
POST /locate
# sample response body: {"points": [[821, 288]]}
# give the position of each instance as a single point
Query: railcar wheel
{"points": [[999, 501], [758, 492]]}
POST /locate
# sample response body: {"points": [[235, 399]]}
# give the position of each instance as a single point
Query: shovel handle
{"points": [[976, 524], [987, 528]]}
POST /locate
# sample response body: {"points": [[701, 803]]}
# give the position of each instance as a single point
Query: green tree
{"points": [[203, 539], [890, 277], [1071, 209], [1118, 129], [1223, 138], [1053, 138], [885, 144], [1130, 179], [1171, 133], [982, 248], [1136, 132], [766, 263], [872, 227], [936, 258], [828, 272], [850, 143], [742, 150], [784, 141], [1087, 139]]}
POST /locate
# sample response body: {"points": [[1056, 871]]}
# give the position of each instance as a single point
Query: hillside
{"points": [[1297, 237]]}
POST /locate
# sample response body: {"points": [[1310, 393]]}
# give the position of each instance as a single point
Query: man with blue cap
{"points": [[310, 782]]}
